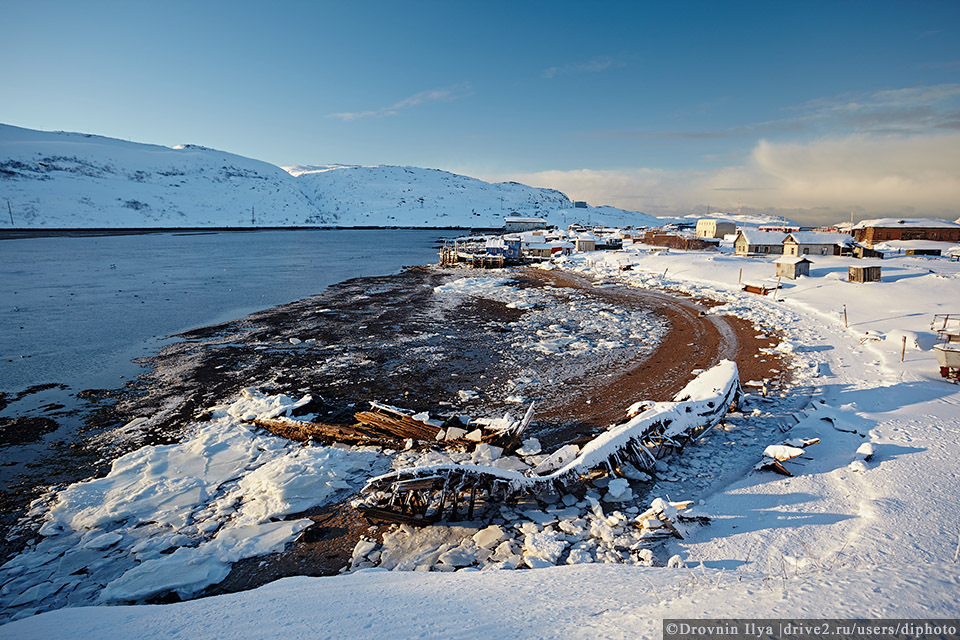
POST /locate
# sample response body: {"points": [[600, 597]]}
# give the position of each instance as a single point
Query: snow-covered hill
{"points": [[407, 196], [72, 180], [744, 220], [75, 180]]}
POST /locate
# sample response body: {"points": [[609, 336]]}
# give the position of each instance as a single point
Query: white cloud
{"points": [[906, 110], [595, 65], [432, 95], [820, 181]]}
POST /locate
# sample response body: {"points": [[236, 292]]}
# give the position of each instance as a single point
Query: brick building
{"points": [[871, 232]]}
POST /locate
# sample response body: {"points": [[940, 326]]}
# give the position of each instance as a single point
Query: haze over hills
{"points": [[73, 180]]}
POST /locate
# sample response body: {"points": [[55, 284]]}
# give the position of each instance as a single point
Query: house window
{"points": [[823, 251], [806, 251]]}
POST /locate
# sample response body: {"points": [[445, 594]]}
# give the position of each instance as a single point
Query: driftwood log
{"points": [[391, 427]]}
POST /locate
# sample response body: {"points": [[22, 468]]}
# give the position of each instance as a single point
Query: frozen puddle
{"points": [[174, 517]]}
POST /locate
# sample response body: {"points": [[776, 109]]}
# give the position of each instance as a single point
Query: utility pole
{"points": [[10, 211], [253, 216]]}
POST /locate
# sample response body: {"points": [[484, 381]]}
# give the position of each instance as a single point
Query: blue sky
{"points": [[810, 109]]}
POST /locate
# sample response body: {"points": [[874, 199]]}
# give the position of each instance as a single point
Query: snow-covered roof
{"points": [[901, 223], [817, 237], [754, 236], [792, 260], [525, 220], [894, 245], [550, 245], [539, 235]]}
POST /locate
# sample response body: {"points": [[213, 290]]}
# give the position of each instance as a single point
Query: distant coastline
{"points": [[13, 234]]}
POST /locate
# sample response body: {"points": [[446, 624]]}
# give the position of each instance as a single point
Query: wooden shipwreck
{"points": [[424, 495], [387, 426]]}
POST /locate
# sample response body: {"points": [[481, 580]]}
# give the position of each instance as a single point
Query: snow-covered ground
{"points": [[74, 180], [867, 527]]}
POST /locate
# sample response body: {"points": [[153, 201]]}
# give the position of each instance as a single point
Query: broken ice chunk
{"points": [[531, 447], [485, 453], [489, 537]]}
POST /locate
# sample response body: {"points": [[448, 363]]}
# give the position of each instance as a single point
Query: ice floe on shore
{"points": [[174, 517]]}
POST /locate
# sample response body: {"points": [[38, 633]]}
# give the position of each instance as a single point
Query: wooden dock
{"points": [[455, 255]]}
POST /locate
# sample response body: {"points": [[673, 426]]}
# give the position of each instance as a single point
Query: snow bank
{"points": [[577, 602]]}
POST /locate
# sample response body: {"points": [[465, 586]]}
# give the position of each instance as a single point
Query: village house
{"points": [[754, 242], [712, 228], [548, 249], [685, 242], [813, 243], [630, 236], [506, 246], [871, 232], [793, 266], [584, 241], [515, 224]]}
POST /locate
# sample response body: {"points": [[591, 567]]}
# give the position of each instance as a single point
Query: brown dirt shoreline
{"points": [[385, 338], [694, 341]]}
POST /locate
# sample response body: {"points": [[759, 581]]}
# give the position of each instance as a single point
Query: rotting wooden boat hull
{"points": [[422, 494]]}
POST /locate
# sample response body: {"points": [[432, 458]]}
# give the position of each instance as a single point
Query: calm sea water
{"points": [[76, 311]]}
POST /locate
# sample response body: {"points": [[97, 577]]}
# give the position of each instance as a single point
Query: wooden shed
{"points": [[863, 274], [793, 267]]}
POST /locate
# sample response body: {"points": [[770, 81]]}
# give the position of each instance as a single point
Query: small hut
{"points": [[793, 267], [863, 274]]}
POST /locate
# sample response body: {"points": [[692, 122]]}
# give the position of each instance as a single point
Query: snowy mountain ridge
{"points": [[74, 180]]}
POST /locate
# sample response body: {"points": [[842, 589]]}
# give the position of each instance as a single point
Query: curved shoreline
{"points": [[695, 341], [384, 338], [327, 547]]}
